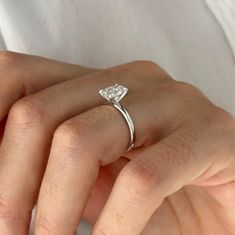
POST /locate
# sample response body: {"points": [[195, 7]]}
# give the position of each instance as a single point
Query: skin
{"points": [[64, 149]]}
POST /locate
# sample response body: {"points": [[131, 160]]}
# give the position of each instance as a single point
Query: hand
{"points": [[179, 179]]}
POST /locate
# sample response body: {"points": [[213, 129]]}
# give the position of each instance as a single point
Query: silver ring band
{"points": [[129, 122], [114, 94]]}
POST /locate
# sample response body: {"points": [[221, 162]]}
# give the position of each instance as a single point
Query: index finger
{"points": [[22, 74]]}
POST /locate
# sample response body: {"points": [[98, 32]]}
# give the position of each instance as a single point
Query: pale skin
{"points": [[64, 149]]}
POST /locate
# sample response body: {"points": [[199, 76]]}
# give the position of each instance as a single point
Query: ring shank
{"points": [[129, 122]]}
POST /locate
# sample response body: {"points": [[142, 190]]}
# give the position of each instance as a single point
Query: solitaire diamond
{"points": [[114, 93]]}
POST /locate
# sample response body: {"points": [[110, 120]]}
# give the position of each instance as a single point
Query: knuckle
{"points": [[26, 112], [9, 59], [44, 226], [222, 118], [146, 67], [184, 88], [70, 135], [222, 124], [71, 141], [139, 178], [110, 72], [149, 66], [146, 63], [149, 70]]}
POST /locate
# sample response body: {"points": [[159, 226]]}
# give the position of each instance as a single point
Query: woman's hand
{"points": [[63, 146]]}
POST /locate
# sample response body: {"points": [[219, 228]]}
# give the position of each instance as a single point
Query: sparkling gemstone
{"points": [[114, 93]]}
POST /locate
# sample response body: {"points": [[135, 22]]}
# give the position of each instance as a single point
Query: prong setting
{"points": [[114, 93]]}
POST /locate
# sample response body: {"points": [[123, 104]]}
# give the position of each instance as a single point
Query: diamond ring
{"points": [[114, 94]]}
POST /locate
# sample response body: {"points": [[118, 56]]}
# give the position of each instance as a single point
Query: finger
{"points": [[23, 74], [162, 169]]}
